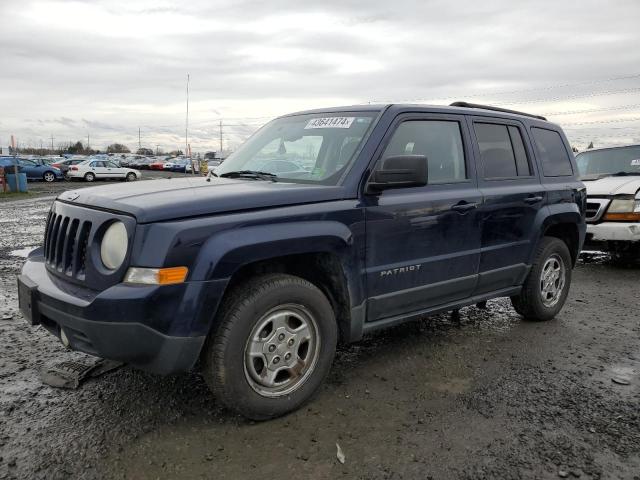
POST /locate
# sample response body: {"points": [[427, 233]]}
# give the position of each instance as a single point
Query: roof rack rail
{"points": [[495, 109]]}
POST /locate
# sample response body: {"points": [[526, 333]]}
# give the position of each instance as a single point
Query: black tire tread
{"points": [[526, 303], [242, 296]]}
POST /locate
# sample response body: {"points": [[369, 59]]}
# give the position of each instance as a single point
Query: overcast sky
{"points": [[106, 68]]}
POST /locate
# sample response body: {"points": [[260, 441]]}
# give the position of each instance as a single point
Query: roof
{"points": [[456, 107]]}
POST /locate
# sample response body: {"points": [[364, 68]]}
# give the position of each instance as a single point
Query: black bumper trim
{"points": [[133, 343]]}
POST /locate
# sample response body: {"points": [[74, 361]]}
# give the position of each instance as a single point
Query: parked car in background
{"points": [[612, 177], [39, 171], [169, 163], [92, 170], [184, 165], [63, 165], [142, 163], [157, 164], [405, 211], [8, 164]]}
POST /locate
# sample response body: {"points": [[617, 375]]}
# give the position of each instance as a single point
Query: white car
{"points": [[92, 170], [612, 178]]}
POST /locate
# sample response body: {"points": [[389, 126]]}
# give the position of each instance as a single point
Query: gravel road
{"points": [[488, 396]]}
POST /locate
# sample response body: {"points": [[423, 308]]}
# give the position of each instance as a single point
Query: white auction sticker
{"points": [[635, 163], [330, 122]]}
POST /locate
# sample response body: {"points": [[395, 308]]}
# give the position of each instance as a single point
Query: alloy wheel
{"points": [[282, 350]]}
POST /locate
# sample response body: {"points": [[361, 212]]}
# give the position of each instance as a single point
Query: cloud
{"points": [[109, 67]]}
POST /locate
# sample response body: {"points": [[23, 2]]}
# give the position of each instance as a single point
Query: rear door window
{"points": [[554, 156], [502, 151]]}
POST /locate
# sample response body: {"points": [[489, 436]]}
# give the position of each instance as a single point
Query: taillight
{"points": [[75, 169], [55, 165]]}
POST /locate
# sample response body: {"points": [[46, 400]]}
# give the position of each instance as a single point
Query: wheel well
{"points": [[568, 233], [324, 270]]}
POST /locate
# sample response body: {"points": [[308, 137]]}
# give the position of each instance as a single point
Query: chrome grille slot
{"points": [[47, 233], [69, 247], [596, 208], [53, 240], [80, 258], [62, 235]]}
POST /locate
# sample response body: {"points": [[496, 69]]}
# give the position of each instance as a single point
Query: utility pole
{"points": [[221, 139], [186, 132], [157, 149], [51, 143], [88, 142], [139, 141]]}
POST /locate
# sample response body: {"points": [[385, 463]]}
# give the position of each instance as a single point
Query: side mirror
{"points": [[400, 171]]}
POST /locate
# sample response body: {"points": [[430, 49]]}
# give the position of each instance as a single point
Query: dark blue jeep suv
{"points": [[392, 212]]}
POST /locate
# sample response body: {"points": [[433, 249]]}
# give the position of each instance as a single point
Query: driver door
{"points": [[114, 171], [423, 243]]}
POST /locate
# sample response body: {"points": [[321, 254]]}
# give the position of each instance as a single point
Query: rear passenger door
{"points": [[513, 195], [423, 243]]}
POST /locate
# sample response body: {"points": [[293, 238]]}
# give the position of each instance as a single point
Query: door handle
{"points": [[464, 207], [533, 199]]}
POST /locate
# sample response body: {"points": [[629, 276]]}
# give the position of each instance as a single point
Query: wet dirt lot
{"points": [[490, 396]]}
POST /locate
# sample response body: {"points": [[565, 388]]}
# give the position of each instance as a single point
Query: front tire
{"points": [[273, 347], [49, 177], [131, 177], [89, 177], [546, 288]]}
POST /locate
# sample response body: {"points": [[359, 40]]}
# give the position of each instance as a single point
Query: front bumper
{"points": [[614, 232], [155, 328]]}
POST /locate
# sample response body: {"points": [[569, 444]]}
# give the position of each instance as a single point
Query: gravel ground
{"points": [[488, 396]]}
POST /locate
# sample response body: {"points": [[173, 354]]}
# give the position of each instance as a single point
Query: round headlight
{"points": [[114, 246]]}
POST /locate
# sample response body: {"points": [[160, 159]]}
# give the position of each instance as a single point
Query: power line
{"points": [[572, 97], [525, 90], [613, 120], [593, 110]]}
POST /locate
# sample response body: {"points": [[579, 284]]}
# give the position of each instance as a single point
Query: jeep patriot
{"points": [[324, 226]]}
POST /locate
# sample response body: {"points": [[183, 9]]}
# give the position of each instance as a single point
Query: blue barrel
{"points": [[22, 182]]}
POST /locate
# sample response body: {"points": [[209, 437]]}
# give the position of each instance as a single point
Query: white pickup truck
{"points": [[612, 178]]}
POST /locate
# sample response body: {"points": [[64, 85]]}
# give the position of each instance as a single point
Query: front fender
{"points": [[227, 251]]}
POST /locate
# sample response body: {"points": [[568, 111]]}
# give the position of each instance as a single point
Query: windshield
{"points": [[609, 161], [310, 148]]}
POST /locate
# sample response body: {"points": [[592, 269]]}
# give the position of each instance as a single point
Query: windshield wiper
{"points": [[250, 174]]}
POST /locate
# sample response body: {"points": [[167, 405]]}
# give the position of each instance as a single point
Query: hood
{"points": [[613, 186], [157, 200]]}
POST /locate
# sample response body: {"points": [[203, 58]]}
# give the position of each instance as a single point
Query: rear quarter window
{"points": [[555, 158]]}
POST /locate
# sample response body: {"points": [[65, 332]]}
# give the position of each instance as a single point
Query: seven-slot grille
{"points": [[65, 244]]}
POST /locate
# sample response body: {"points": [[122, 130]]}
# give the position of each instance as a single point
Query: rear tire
{"points": [[546, 288], [49, 177], [89, 177], [273, 346], [131, 177]]}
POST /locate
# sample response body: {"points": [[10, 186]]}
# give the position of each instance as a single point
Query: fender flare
{"points": [[226, 252], [560, 213]]}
